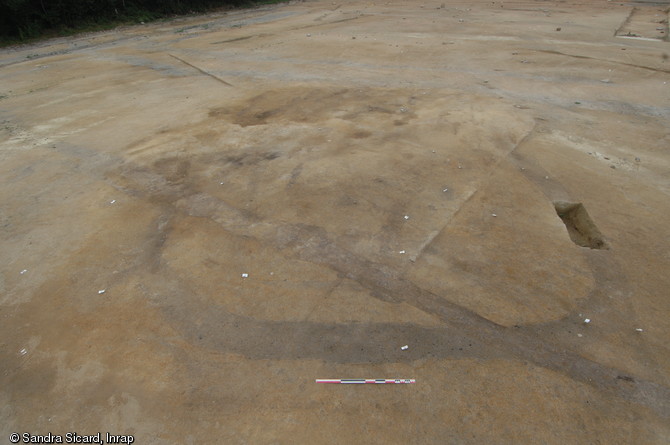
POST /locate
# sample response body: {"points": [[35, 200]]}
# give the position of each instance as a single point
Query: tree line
{"points": [[25, 19]]}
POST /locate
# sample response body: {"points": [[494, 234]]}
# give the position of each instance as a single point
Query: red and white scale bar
{"points": [[363, 381]]}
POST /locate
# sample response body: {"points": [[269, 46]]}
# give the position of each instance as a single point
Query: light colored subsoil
{"points": [[307, 145]]}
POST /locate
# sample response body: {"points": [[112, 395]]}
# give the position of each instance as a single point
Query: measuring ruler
{"points": [[363, 381]]}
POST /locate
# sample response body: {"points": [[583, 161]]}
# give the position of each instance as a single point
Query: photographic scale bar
{"points": [[363, 381]]}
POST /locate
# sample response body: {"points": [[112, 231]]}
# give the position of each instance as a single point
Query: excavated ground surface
{"points": [[386, 174]]}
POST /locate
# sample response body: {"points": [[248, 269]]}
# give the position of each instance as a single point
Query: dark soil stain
{"points": [[309, 105]]}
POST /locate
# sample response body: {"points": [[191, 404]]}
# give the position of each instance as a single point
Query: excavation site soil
{"points": [[202, 216]]}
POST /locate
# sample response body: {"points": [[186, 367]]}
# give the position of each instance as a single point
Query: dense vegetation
{"points": [[26, 19]]}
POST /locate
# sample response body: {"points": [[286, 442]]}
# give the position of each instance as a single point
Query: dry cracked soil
{"points": [[201, 216]]}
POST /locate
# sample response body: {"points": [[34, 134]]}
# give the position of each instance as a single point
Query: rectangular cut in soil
{"points": [[581, 228], [646, 22]]}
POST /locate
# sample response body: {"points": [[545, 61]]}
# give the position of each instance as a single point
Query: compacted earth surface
{"points": [[200, 217]]}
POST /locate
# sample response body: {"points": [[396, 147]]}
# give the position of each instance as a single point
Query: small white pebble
{"points": [[112, 201], [579, 335], [404, 348], [23, 351], [587, 320], [445, 190], [493, 215], [433, 151], [402, 251], [24, 271], [220, 183], [245, 275], [102, 291], [406, 216], [639, 329]]}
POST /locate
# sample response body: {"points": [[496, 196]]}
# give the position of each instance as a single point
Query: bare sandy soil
{"points": [[385, 174]]}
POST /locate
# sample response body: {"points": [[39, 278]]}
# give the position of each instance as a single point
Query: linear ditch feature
{"points": [[581, 228], [648, 20]]}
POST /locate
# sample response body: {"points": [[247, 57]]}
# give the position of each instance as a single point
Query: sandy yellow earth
{"points": [[200, 217]]}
